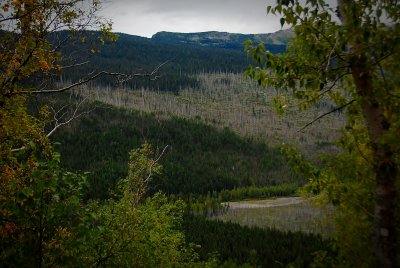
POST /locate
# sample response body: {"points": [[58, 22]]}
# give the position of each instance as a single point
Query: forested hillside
{"points": [[256, 247], [230, 137], [199, 158], [133, 54]]}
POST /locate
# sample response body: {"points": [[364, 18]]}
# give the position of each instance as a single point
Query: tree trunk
{"points": [[385, 169], [385, 216]]}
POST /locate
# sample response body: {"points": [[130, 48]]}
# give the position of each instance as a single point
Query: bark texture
{"points": [[385, 168]]}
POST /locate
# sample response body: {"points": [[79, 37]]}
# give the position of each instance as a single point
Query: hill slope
{"points": [[199, 158], [134, 54]]}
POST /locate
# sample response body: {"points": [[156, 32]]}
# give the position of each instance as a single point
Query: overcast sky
{"points": [[146, 17]]}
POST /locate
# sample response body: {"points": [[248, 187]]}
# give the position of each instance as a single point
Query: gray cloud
{"points": [[146, 17]]}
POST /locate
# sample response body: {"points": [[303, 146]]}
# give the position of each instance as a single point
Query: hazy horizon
{"points": [[118, 32], [147, 17]]}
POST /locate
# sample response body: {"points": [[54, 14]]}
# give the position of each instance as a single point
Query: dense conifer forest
{"points": [[198, 159], [135, 54], [255, 247]]}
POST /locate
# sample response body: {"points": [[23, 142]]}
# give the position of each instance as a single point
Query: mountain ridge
{"points": [[224, 39]]}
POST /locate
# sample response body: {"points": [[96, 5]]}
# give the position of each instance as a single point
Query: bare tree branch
{"points": [[327, 113], [152, 75], [151, 167], [57, 119], [58, 122], [74, 65], [120, 76], [143, 186], [18, 149]]}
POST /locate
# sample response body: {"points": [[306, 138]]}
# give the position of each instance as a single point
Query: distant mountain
{"points": [[276, 42]]}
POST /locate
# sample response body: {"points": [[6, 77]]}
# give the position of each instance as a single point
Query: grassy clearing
{"points": [[287, 214], [274, 202]]}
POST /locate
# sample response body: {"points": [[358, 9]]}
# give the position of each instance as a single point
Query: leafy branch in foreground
{"points": [[46, 223], [130, 230], [348, 53]]}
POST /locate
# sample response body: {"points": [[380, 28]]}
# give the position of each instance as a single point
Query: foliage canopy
{"points": [[350, 54]]}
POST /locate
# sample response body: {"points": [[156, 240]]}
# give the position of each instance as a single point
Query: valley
{"points": [[222, 136], [223, 140], [206, 141]]}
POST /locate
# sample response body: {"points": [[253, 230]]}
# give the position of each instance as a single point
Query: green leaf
{"points": [[74, 200], [27, 192], [282, 20]]}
